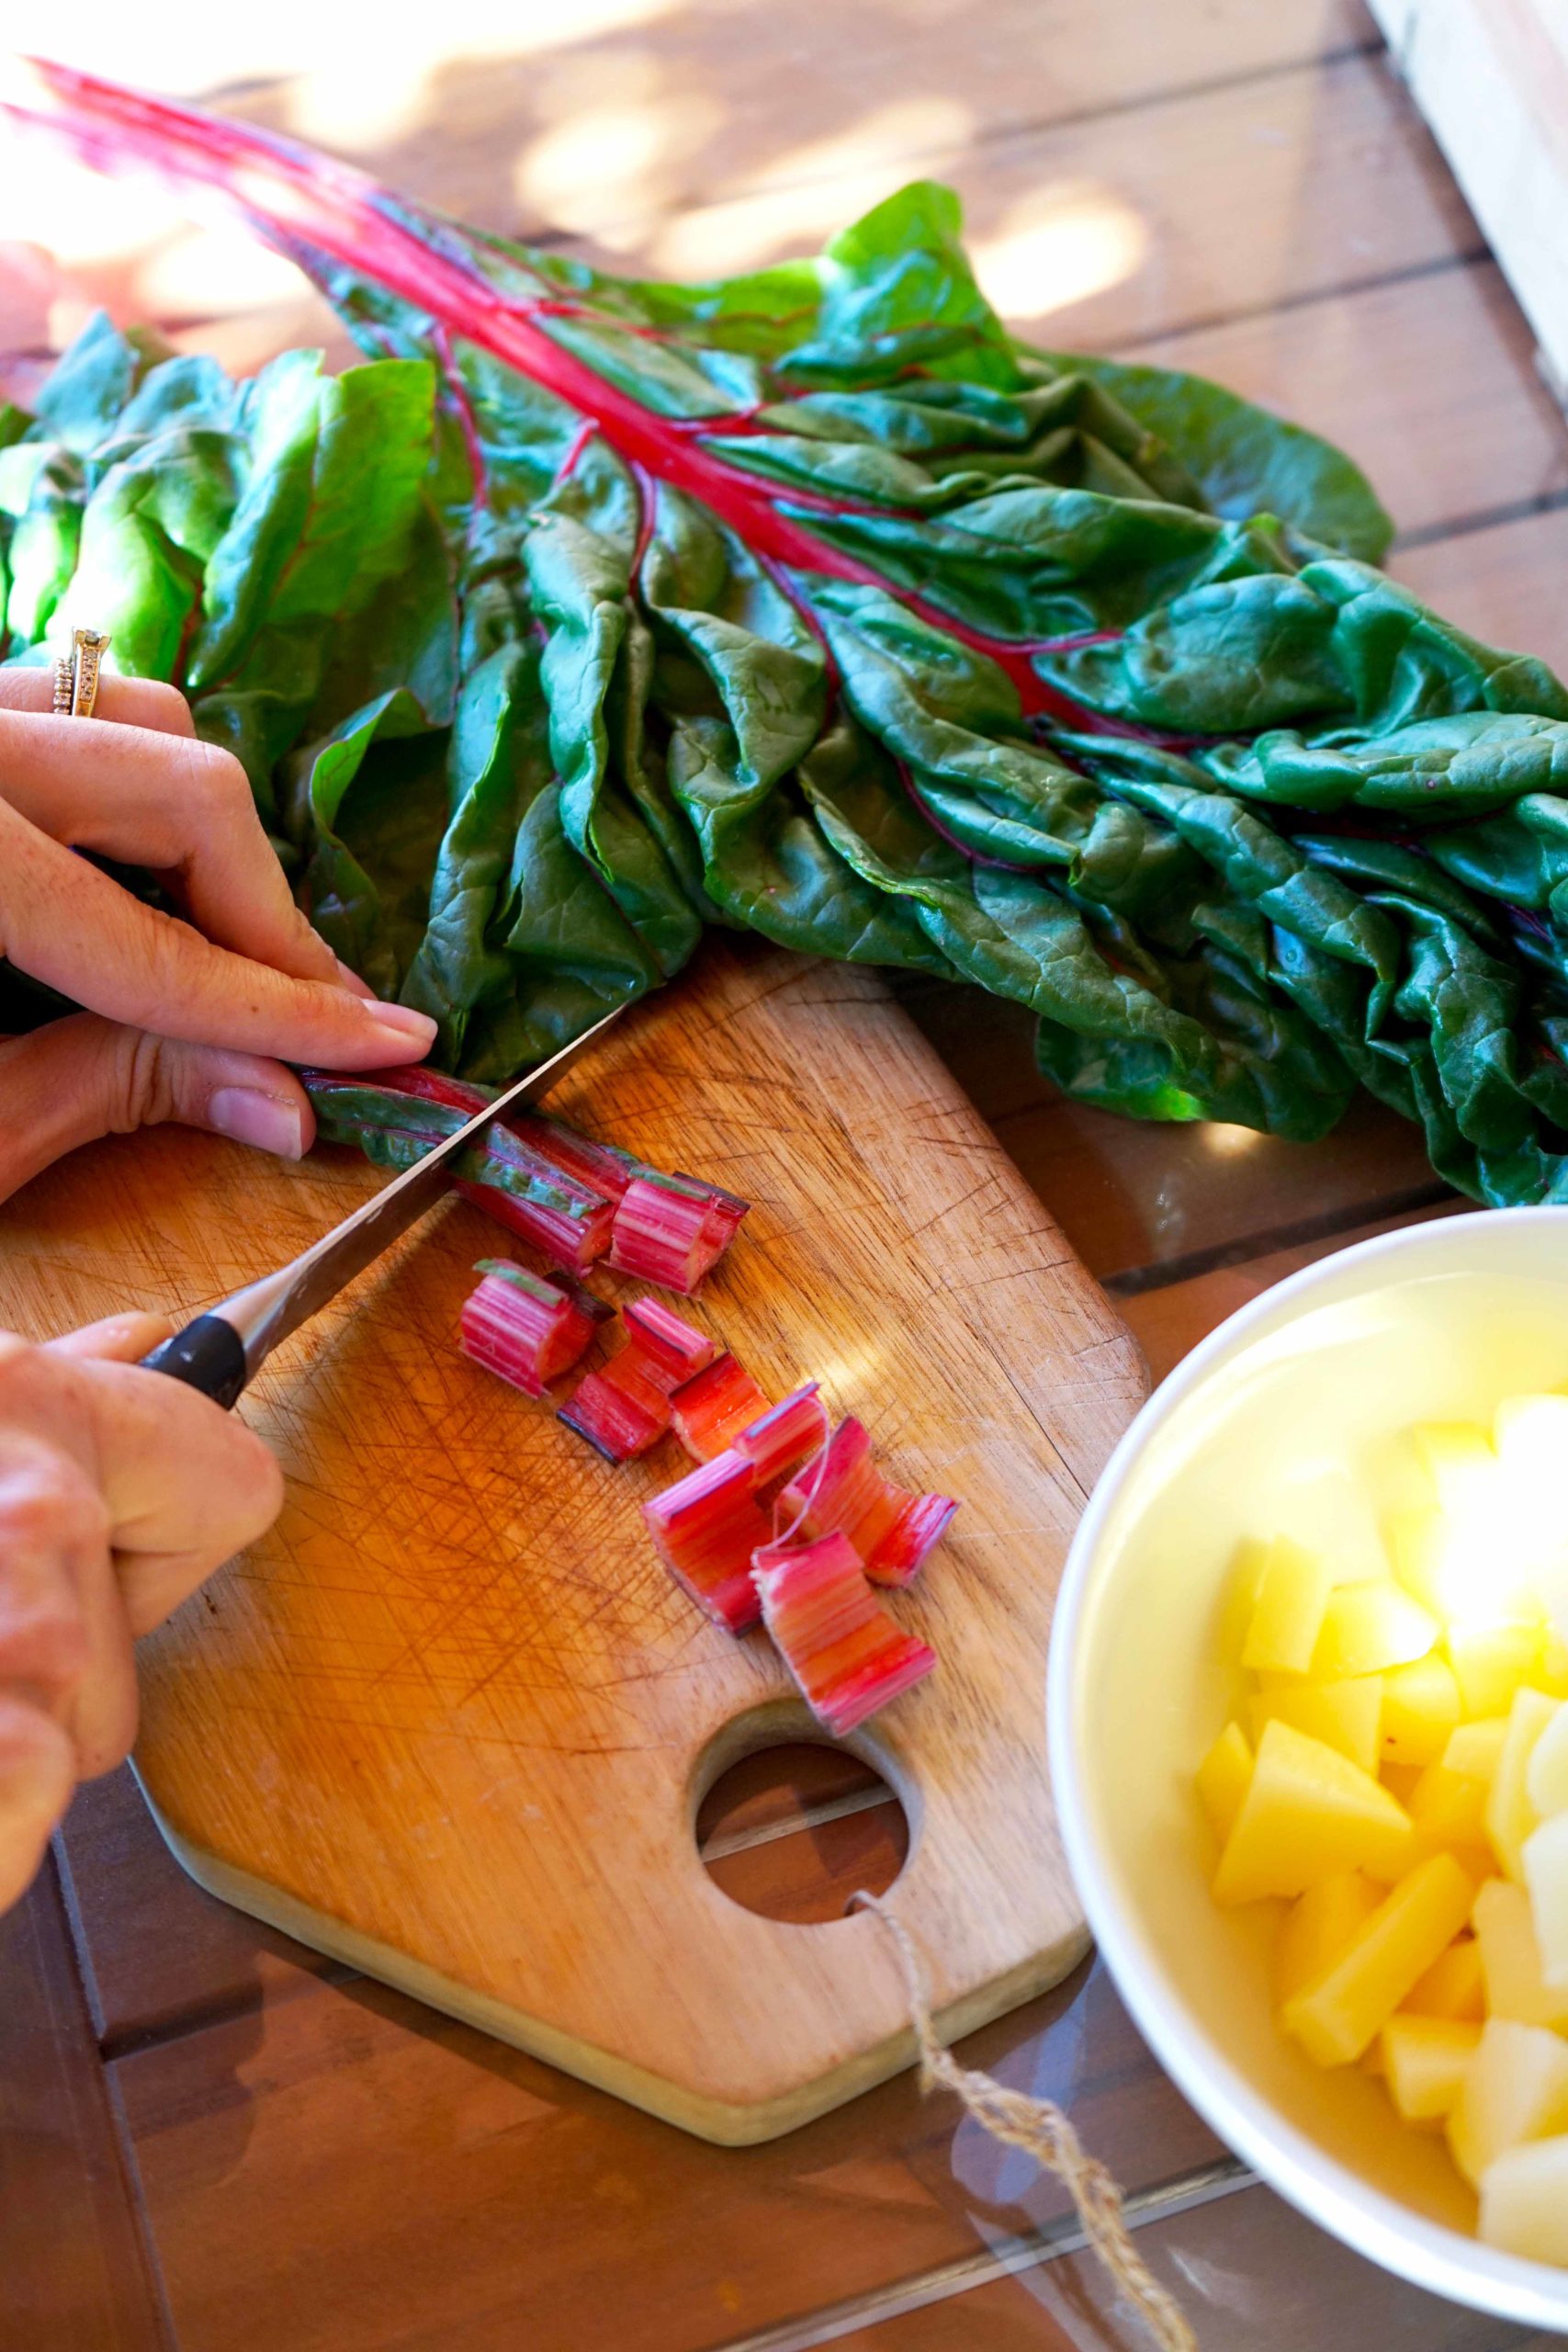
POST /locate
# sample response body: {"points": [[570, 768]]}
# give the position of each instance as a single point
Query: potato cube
{"points": [[1416, 1544], [1491, 1662], [1307, 1813], [1551, 1672], [1421, 1708], [1347, 1716], [1317, 1927], [1222, 1777], [1335, 2017], [1523, 2201], [1517, 1989], [1368, 1627], [1515, 2088], [1453, 1986], [1510, 1817], [1288, 1613], [1240, 1597], [1546, 1781], [1546, 1877], [1450, 1809], [1458, 1458], [1475, 1747], [1425, 2060]]}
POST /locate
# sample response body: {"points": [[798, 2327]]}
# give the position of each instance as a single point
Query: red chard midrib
{"points": [[288, 193]]}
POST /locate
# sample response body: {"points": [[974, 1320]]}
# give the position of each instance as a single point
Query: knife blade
{"points": [[221, 1351]]}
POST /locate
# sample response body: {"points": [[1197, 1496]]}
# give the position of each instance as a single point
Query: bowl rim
{"points": [[1428, 2254]]}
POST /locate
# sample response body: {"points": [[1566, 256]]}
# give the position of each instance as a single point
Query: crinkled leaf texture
{"points": [[590, 612]]}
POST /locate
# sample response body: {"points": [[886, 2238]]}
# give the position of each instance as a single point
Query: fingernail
{"points": [[269, 1122], [402, 1022], [350, 979]]}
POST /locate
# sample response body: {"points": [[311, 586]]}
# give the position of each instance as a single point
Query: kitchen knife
{"points": [[223, 1350]]}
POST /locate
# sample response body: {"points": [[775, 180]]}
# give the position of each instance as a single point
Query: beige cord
{"points": [[1045, 2132]]}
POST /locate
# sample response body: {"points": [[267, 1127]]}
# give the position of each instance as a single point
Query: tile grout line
{"points": [[1136, 1282], [811, 1816], [1406, 274], [1052, 2244]]}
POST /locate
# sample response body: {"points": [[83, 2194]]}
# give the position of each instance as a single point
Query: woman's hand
{"points": [[186, 1020], [120, 1490]]}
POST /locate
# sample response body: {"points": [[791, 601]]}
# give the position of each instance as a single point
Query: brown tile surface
{"points": [[154, 1948], [1430, 384], [1251, 2275], [1504, 584], [73, 2274], [345, 2171]]}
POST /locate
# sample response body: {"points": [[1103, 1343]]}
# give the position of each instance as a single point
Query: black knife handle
{"points": [[207, 1354]]}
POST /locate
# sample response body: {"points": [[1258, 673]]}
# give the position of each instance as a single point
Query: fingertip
{"points": [[116, 1339], [38, 1772]]}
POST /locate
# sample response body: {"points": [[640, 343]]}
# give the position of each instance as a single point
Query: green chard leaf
{"points": [[592, 610]]}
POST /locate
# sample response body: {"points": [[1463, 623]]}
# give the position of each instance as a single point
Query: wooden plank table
{"points": [[212, 2140]]}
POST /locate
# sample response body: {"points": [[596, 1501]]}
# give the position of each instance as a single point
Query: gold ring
{"points": [[76, 674]]}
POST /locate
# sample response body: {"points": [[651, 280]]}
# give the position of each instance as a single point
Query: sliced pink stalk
{"points": [[705, 1528], [607, 1168], [846, 1654], [618, 1414], [675, 1351], [921, 1522], [844, 1493], [781, 1438], [710, 1411], [670, 1229], [528, 1330], [573, 1241], [624, 1408]]}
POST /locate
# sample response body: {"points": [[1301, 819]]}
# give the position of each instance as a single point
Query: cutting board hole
{"points": [[792, 1831]]}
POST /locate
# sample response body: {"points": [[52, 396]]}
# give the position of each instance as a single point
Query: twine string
{"points": [[1042, 2130]]}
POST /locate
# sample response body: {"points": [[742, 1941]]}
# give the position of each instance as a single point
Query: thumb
{"points": [[84, 1077]]}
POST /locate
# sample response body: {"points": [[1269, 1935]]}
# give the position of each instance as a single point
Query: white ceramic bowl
{"points": [[1435, 1322]]}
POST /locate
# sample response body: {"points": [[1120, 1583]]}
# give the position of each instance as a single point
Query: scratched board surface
{"points": [[452, 1720]]}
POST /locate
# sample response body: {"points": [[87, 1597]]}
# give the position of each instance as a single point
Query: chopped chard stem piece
{"points": [[711, 1411], [705, 1529], [844, 1651]]}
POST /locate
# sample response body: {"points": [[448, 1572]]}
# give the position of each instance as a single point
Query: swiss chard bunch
{"points": [[593, 611]]}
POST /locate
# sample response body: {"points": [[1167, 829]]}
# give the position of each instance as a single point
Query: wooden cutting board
{"points": [[451, 1720]]}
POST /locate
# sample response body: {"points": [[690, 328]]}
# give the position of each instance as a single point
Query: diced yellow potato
{"points": [[1308, 1812], [1474, 1748], [1551, 1673], [1453, 1986], [1371, 2060], [1510, 1817], [1458, 1458], [1317, 1927], [1546, 1781], [1515, 2088], [1517, 1989], [1252, 1557], [1425, 2060], [1546, 1879], [1288, 1613], [1523, 2201], [1222, 1777], [1367, 1628], [1491, 1662], [1347, 1716], [1335, 2017], [1421, 1708], [1450, 1809], [1402, 1780], [1417, 1542]]}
